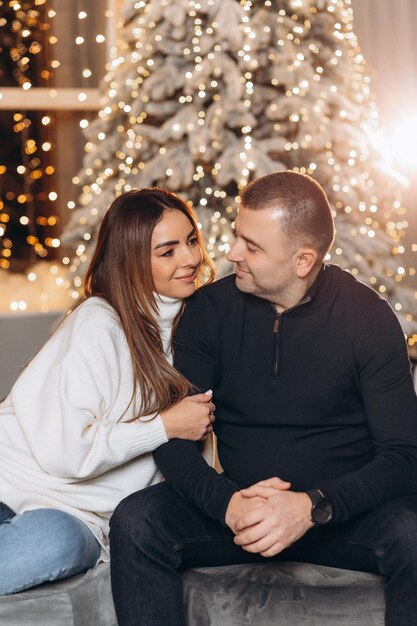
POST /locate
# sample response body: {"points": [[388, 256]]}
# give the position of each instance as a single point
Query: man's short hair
{"points": [[307, 217]]}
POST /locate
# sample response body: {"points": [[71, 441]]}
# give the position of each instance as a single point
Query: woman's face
{"points": [[175, 255]]}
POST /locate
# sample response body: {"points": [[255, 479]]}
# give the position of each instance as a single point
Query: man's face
{"points": [[264, 257]]}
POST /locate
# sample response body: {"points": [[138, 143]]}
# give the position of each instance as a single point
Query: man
{"points": [[316, 423]]}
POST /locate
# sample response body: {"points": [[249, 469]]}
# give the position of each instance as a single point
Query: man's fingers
{"points": [[266, 547], [258, 490], [273, 550], [260, 539], [266, 488], [249, 519], [263, 548], [275, 482], [256, 538]]}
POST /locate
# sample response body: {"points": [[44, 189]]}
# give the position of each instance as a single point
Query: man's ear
{"points": [[305, 260]]}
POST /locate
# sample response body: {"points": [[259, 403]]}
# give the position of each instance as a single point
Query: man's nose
{"points": [[234, 253]]}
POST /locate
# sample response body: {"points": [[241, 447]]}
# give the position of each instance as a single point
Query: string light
{"points": [[237, 93], [28, 196]]}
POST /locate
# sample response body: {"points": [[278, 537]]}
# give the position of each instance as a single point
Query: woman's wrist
{"points": [[170, 431]]}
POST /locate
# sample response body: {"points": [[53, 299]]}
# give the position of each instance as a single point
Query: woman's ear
{"points": [[305, 261]]}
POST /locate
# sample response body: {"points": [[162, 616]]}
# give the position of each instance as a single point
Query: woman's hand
{"points": [[191, 418]]}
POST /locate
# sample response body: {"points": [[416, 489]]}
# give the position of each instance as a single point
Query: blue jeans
{"points": [[154, 533], [42, 545]]}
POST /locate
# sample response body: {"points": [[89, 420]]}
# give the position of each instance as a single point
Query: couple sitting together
{"points": [[305, 368]]}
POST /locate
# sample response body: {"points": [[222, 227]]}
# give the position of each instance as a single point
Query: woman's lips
{"points": [[188, 278]]}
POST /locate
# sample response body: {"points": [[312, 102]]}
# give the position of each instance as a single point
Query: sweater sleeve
{"points": [[390, 407], [71, 402], [180, 461]]}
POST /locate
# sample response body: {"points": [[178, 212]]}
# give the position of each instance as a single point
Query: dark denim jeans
{"points": [[5, 512], [155, 533]]}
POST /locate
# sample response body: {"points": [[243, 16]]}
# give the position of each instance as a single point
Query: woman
{"points": [[79, 426]]}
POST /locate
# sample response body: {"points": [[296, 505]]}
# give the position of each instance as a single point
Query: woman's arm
{"points": [[71, 398]]}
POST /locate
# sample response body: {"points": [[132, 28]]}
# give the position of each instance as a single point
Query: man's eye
{"points": [[250, 249]]}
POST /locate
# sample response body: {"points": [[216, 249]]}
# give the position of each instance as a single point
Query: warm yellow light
{"points": [[404, 141]]}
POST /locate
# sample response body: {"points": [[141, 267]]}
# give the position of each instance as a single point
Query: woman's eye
{"points": [[250, 249], [168, 253], [193, 241]]}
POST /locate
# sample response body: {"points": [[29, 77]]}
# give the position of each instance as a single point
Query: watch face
{"points": [[322, 513]]}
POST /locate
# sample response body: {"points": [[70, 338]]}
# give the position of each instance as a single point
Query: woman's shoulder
{"points": [[95, 315]]}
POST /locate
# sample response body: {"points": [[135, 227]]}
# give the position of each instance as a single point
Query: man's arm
{"points": [[184, 468], [180, 461], [390, 407]]}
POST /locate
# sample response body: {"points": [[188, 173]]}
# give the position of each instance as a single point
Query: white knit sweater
{"points": [[61, 442]]}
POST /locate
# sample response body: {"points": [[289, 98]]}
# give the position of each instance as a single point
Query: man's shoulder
{"points": [[220, 291], [353, 289], [358, 303], [209, 306], [213, 302]]}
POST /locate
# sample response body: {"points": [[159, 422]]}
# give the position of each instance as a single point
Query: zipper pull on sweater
{"points": [[276, 364], [275, 369]]}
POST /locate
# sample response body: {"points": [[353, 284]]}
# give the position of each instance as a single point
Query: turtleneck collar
{"points": [[168, 309]]}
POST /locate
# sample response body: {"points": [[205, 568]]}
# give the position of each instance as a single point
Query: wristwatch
{"points": [[321, 509]]}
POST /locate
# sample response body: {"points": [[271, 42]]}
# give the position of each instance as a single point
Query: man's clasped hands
{"points": [[268, 517]]}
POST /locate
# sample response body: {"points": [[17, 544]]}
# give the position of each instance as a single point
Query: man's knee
{"points": [[144, 529], [401, 528], [139, 514]]}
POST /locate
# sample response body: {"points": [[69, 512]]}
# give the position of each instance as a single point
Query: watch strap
{"points": [[315, 496]]}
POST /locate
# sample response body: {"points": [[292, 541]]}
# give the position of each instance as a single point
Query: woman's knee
{"points": [[64, 538], [79, 546], [44, 545]]}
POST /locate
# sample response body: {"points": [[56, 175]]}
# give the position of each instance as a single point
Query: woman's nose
{"points": [[191, 255]]}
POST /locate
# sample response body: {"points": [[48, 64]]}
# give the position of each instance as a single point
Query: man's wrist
{"points": [[321, 509], [228, 515], [307, 509]]}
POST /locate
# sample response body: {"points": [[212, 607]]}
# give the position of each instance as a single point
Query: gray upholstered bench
{"points": [[285, 594], [80, 601]]}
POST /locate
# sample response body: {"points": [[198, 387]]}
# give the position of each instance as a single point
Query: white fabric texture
{"points": [[65, 437]]}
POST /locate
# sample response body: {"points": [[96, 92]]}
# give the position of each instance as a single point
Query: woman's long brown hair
{"points": [[120, 272]]}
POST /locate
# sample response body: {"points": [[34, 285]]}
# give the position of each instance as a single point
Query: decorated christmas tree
{"points": [[205, 95], [27, 196]]}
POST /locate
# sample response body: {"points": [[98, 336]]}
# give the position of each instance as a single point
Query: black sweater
{"points": [[320, 395]]}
